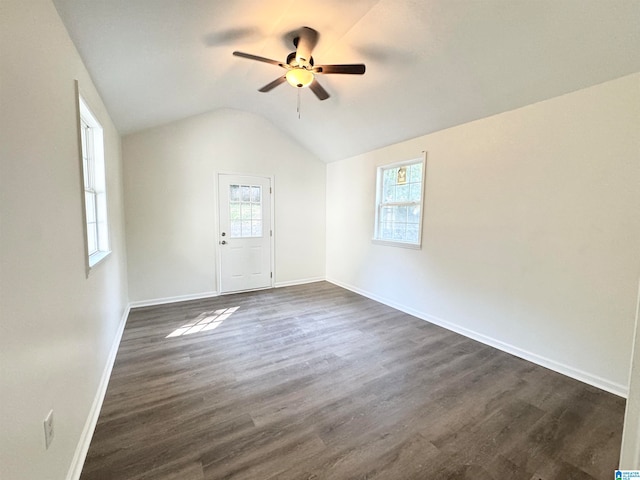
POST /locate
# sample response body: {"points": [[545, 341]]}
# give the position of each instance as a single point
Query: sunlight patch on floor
{"points": [[204, 322]]}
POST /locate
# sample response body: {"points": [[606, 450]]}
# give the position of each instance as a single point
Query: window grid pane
{"points": [[92, 238], [88, 157], [245, 211]]}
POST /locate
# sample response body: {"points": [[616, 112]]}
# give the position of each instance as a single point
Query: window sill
{"points": [[98, 257], [391, 243]]}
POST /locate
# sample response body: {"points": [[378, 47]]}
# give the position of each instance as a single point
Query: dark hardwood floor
{"points": [[315, 382]]}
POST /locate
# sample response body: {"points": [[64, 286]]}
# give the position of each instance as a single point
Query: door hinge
{"points": [[270, 191], [271, 233], [271, 275]]}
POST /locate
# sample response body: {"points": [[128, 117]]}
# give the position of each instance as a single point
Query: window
{"points": [[245, 211], [399, 200], [94, 180]]}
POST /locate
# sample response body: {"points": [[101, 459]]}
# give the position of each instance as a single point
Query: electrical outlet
{"points": [[48, 429]]}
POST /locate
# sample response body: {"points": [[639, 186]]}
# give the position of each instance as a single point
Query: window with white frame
{"points": [[94, 179], [399, 202]]}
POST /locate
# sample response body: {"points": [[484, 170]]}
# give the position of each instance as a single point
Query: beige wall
{"points": [[170, 185], [531, 238], [57, 325]]}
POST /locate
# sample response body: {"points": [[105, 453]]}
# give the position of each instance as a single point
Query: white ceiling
{"points": [[431, 64]]}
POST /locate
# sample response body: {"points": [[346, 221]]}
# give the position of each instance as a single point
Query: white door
{"points": [[245, 233]]}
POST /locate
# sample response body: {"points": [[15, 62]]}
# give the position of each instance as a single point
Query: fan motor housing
{"points": [[292, 56]]}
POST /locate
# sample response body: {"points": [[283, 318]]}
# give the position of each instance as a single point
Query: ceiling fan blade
{"points": [[259, 59], [306, 42], [350, 69], [274, 84], [320, 92]]}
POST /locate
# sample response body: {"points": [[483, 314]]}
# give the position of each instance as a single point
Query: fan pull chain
{"points": [[298, 110]]}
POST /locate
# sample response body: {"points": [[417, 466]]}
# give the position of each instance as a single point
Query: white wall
{"points": [[57, 325], [531, 231], [170, 185]]}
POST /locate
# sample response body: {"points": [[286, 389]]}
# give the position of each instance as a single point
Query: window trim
{"points": [[96, 176], [378, 203]]}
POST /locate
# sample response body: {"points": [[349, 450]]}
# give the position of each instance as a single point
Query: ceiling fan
{"points": [[300, 67]]}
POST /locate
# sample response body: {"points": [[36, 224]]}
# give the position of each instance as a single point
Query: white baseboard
{"points": [[585, 377], [199, 296], [90, 425], [299, 282], [180, 298]]}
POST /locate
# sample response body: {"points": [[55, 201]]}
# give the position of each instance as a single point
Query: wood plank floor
{"points": [[315, 382]]}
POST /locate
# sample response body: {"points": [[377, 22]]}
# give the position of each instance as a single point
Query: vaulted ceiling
{"points": [[431, 64]]}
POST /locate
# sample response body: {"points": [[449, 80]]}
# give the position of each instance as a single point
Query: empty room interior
{"points": [[379, 239]]}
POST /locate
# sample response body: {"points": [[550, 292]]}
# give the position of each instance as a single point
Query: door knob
{"points": [[223, 242], [224, 233]]}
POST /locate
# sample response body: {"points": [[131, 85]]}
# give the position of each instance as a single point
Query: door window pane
{"points": [[234, 193], [234, 211], [255, 194], [245, 211], [236, 229]]}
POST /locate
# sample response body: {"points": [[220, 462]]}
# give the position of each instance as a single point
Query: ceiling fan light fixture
{"points": [[300, 66], [299, 77]]}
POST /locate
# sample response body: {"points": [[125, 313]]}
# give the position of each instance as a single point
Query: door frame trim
{"points": [[272, 238]]}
